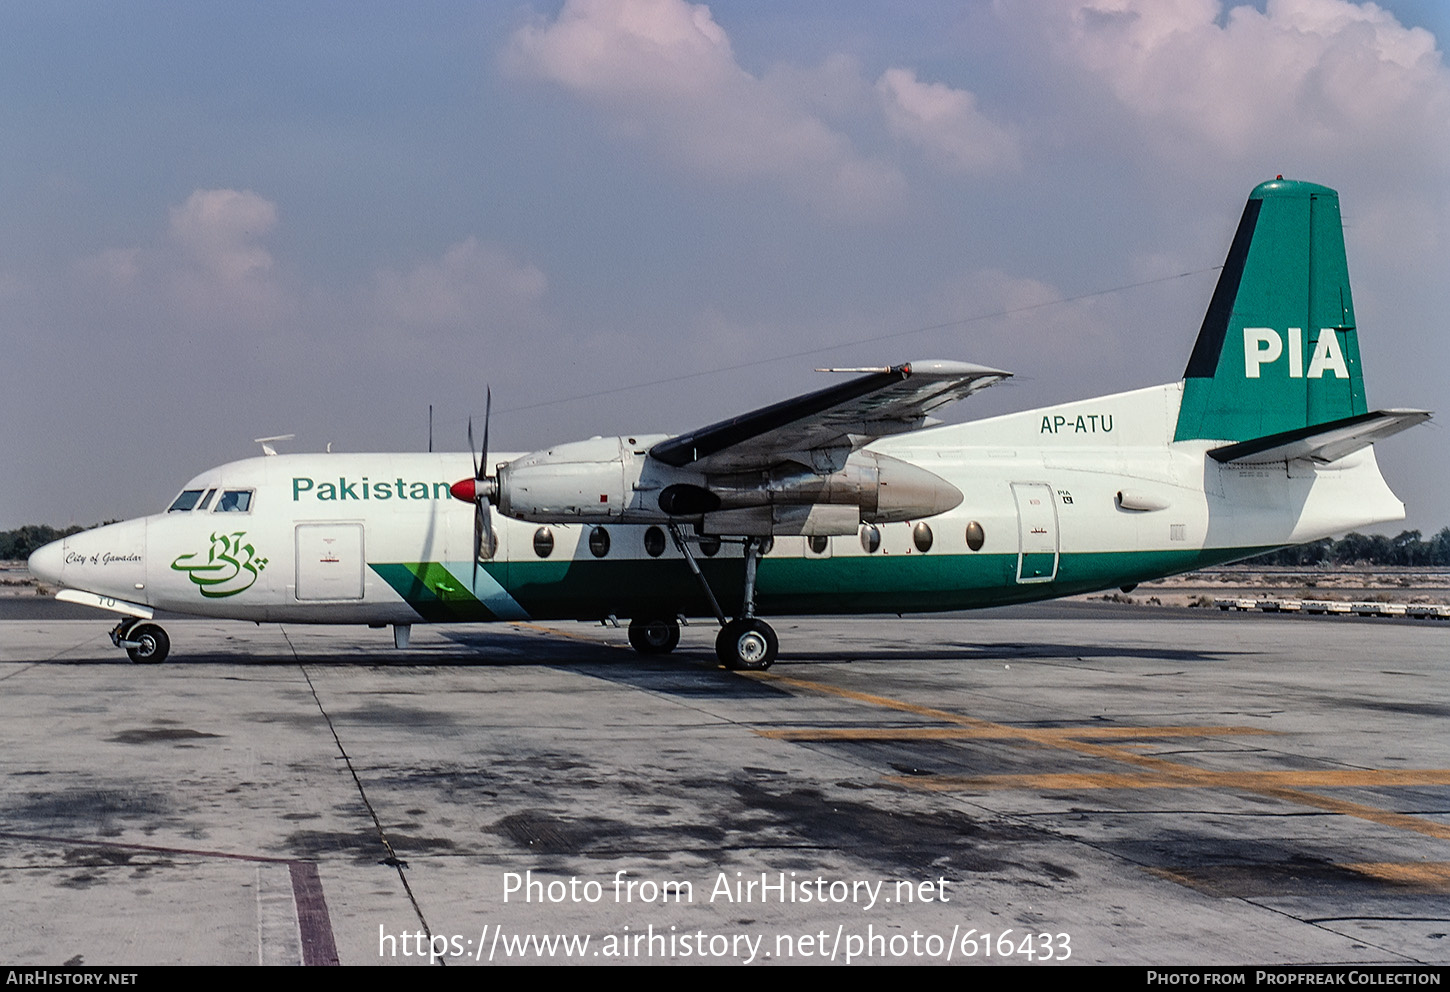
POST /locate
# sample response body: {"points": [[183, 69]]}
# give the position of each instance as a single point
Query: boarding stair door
{"points": [[1036, 532]]}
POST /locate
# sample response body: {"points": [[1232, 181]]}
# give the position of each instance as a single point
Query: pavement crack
{"points": [[392, 860]]}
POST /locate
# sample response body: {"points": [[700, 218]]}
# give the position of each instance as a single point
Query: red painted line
{"points": [[318, 947], [255, 858]]}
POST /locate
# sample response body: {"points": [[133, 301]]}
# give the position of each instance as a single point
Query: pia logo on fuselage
{"points": [[231, 566], [1265, 346]]}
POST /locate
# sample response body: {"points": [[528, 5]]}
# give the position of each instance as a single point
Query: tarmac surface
{"points": [[1084, 782]]}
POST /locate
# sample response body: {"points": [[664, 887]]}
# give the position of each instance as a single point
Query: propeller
{"points": [[481, 491]]}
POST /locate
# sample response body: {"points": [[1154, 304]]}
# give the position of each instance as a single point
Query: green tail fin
{"points": [[1277, 350]]}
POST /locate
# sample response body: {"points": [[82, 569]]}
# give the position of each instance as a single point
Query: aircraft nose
{"points": [[47, 560]]}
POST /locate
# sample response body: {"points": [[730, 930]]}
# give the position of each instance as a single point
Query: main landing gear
{"points": [[145, 643], [745, 643]]}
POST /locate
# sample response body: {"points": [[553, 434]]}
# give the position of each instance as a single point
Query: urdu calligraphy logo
{"points": [[230, 567]]}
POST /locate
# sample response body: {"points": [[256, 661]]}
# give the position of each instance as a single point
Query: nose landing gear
{"points": [[145, 643]]}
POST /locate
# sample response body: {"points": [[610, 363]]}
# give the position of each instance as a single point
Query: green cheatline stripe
{"points": [[591, 588], [430, 589]]}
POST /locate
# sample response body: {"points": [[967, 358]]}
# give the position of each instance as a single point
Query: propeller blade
{"points": [[478, 524], [487, 416], [484, 490], [489, 545], [471, 449]]}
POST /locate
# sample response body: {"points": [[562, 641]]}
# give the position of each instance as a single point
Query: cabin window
{"points": [[543, 542], [235, 501], [818, 543], [185, 501], [921, 537], [976, 537], [870, 539], [709, 545], [654, 542], [599, 542]]}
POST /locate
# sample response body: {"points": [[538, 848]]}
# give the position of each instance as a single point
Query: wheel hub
{"points": [[751, 647]]}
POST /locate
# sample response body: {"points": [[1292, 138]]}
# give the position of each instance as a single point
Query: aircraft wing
{"points": [[829, 421]]}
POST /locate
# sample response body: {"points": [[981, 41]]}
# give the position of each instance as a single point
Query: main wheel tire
{"points": [[153, 644], [654, 635], [746, 645]]}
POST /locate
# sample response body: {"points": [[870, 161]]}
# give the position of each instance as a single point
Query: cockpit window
{"points": [[235, 501], [206, 500], [185, 501]]}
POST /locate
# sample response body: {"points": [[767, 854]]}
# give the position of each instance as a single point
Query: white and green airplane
{"points": [[845, 500]]}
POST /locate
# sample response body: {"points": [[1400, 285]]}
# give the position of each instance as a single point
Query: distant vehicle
{"points": [[844, 500]]}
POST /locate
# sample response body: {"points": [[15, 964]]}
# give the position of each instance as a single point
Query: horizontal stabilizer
{"points": [[1321, 442]]}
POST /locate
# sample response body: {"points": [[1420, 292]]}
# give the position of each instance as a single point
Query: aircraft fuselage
{"points": [[1065, 500]]}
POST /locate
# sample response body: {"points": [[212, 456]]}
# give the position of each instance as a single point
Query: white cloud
{"points": [[219, 230], [1306, 77], [218, 272], [665, 70], [946, 123], [213, 273], [470, 285], [621, 48]]}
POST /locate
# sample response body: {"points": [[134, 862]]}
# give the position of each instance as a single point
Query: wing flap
{"points": [[884, 401]]}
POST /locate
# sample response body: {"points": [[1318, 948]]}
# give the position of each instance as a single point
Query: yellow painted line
{"points": [[556, 632], [1286, 786], [1430, 877], [942, 716], [1400, 821], [1047, 736], [980, 733], [1083, 733], [1182, 878], [1185, 777], [1433, 875]]}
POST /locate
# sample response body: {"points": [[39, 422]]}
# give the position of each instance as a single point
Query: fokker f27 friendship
{"points": [[845, 500]]}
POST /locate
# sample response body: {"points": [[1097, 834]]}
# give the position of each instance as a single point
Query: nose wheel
{"points": [[145, 643]]}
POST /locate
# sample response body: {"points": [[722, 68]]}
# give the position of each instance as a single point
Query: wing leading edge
{"points": [[842, 417]]}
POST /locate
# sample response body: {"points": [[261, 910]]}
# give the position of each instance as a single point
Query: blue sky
{"points": [[222, 221]]}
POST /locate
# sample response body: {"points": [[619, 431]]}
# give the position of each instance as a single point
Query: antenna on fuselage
{"points": [[430, 428], [265, 442]]}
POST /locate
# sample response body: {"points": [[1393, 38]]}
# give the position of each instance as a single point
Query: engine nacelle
{"points": [[581, 480], [614, 479], [882, 488]]}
